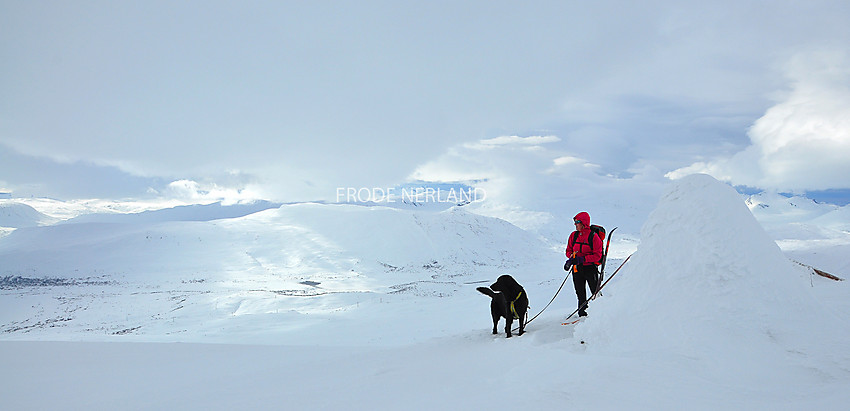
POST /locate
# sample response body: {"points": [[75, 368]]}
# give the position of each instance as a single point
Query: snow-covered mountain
{"points": [[159, 276], [17, 215], [771, 206], [194, 212], [794, 216], [326, 306], [807, 231], [838, 219]]}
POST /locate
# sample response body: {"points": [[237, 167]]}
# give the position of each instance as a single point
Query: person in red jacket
{"points": [[584, 253]]}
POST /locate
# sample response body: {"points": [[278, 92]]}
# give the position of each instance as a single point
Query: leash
{"points": [[586, 302], [513, 307], [550, 301]]}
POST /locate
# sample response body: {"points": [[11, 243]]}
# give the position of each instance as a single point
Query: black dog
{"points": [[510, 301]]}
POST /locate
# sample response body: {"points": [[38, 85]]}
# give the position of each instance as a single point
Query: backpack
{"points": [[599, 231]]}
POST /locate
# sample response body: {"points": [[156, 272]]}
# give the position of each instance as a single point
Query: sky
{"points": [[290, 101]]}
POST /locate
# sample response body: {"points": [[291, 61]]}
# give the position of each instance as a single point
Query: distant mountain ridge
{"points": [[17, 215], [195, 212]]}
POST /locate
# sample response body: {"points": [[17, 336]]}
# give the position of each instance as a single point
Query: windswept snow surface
{"points": [[708, 287], [316, 306]]}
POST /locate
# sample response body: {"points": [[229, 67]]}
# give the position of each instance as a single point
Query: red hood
{"points": [[584, 218]]}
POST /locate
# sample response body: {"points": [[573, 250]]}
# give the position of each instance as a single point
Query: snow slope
{"points": [[17, 215], [264, 274], [195, 212], [809, 232], [709, 286], [317, 306]]}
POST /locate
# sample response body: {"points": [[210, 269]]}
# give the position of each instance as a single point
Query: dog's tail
{"points": [[487, 291]]}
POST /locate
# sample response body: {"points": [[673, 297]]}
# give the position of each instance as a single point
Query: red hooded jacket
{"points": [[578, 242]]}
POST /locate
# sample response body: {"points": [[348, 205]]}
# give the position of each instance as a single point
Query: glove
{"points": [[574, 261]]}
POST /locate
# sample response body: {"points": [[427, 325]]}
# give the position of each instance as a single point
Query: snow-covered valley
{"points": [[332, 306]]}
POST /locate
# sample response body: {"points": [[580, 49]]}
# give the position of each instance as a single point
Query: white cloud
{"points": [[307, 101], [496, 158], [801, 143], [565, 160], [541, 189], [190, 191], [517, 140]]}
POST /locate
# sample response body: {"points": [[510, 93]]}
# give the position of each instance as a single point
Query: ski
{"points": [[604, 260], [820, 272]]}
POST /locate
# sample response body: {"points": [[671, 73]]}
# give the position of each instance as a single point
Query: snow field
{"points": [[316, 306]]}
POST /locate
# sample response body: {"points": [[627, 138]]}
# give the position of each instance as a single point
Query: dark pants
{"points": [[587, 274]]}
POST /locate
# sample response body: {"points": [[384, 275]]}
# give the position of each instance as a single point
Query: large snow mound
{"points": [[707, 282]]}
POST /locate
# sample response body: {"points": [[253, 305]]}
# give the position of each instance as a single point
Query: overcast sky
{"points": [[291, 100]]}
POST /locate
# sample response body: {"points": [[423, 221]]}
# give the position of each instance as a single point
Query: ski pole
{"points": [[600, 288]]}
